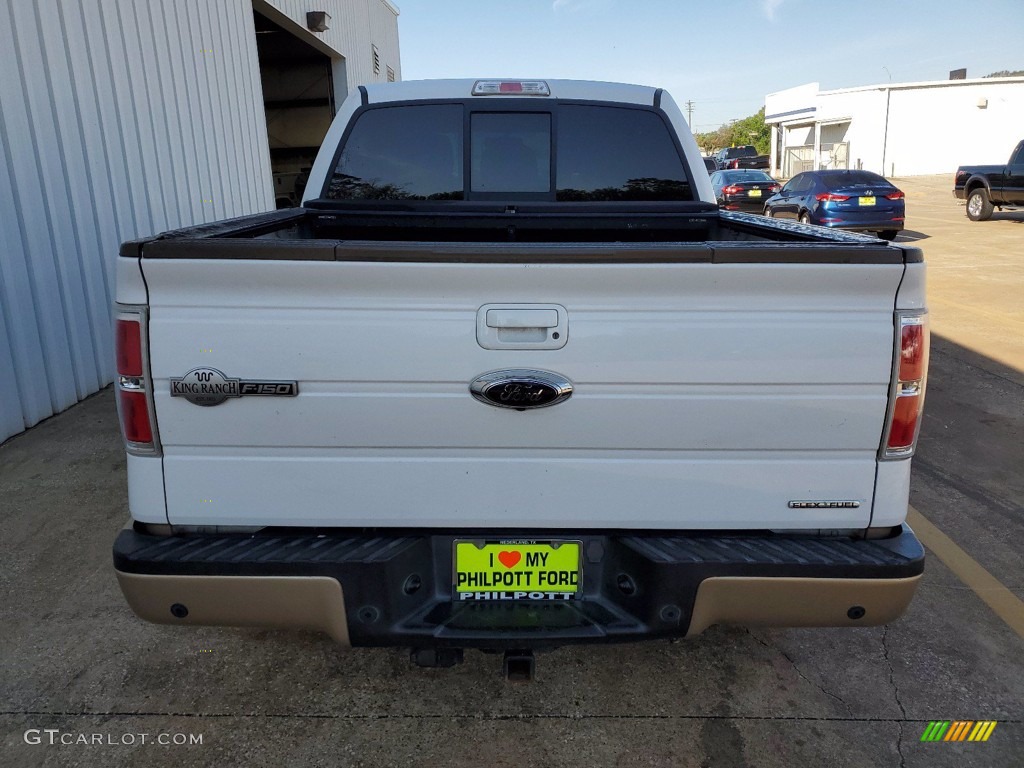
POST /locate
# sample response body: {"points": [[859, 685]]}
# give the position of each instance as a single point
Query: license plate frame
{"points": [[753, 193], [866, 200], [490, 562]]}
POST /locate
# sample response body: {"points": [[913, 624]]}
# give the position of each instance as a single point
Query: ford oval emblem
{"points": [[521, 388]]}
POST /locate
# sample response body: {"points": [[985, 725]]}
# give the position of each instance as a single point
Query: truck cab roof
{"points": [[461, 88]]}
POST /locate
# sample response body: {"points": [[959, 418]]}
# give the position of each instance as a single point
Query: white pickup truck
{"points": [[508, 379]]}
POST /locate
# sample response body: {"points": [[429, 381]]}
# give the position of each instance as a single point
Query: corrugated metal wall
{"points": [[355, 26], [118, 119]]}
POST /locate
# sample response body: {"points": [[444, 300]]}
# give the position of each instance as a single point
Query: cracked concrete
{"points": [[802, 676], [895, 695]]}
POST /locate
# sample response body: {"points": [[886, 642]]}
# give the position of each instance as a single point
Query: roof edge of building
{"points": [[907, 85], [925, 84]]}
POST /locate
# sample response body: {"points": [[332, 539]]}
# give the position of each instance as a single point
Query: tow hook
{"points": [[439, 658], [518, 666]]}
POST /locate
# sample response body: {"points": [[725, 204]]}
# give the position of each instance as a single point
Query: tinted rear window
{"points": [[741, 152], [603, 153], [511, 152], [736, 177], [609, 153], [853, 179], [402, 153]]}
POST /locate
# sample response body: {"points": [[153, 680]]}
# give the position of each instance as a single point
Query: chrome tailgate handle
{"points": [[522, 326]]}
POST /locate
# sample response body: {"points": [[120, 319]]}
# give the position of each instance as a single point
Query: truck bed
{"points": [[315, 231]]}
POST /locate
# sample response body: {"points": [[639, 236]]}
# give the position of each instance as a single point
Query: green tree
{"points": [[749, 130], [706, 142], [753, 130]]}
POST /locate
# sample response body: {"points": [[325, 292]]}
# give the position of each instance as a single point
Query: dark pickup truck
{"points": [[986, 187], [735, 158]]}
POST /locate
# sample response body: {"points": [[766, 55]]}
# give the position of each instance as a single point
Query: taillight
{"points": [[909, 374], [134, 389], [734, 164], [128, 345], [774, 188], [732, 189], [828, 197], [913, 348], [135, 417], [897, 195]]}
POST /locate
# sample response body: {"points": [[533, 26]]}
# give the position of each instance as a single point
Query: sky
{"points": [[724, 56]]}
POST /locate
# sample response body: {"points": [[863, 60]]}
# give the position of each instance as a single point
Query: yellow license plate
{"points": [[867, 201], [754, 193], [516, 569]]}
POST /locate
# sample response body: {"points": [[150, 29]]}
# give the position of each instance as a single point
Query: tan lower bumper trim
{"points": [[793, 602], [287, 602]]}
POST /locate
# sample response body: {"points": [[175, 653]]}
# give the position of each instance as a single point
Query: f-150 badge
{"points": [[521, 388], [208, 386]]}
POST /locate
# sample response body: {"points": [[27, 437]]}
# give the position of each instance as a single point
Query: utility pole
{"points": [[689, 114]]}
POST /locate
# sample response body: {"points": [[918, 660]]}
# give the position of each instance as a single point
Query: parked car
{"points": [[710, 164], [986, 187], [740, 157], [743, 190], [841, 199]]}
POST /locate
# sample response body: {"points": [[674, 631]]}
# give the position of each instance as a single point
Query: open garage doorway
{"points": [[299, 99]]}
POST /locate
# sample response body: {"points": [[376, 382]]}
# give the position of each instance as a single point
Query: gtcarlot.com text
{"points": [[57, 737]]}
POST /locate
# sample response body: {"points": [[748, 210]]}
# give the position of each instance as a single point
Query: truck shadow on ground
{"points": [[981, 364], [970, 447]]}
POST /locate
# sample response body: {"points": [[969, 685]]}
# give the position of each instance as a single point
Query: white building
{"points": [[120, 119], [896, 129]]}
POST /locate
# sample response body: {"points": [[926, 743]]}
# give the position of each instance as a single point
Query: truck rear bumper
{"points": [[395, 589]]}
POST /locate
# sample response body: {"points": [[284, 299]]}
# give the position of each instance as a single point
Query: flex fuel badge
{"points": [[208, 386]]}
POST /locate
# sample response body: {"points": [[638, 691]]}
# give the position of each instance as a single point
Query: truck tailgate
{"points": [[706, 395]]}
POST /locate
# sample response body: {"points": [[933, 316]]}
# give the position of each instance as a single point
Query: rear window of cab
{"points": [[566, 152], [734, 177], [853, 178]]}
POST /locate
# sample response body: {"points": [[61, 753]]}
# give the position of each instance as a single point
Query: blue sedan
{"points": [[855, 200]]}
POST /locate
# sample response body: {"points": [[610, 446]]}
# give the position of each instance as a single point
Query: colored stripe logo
{"points": [[959, 730]]}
